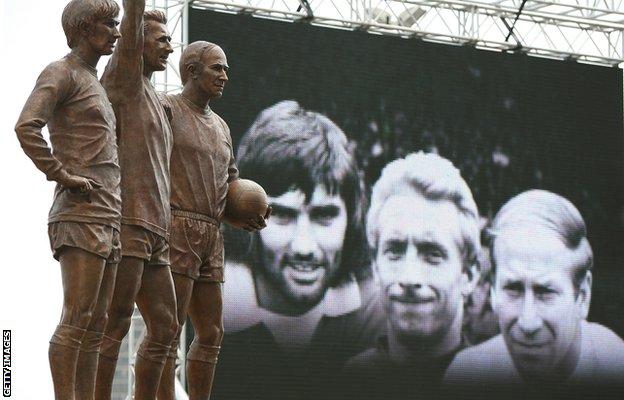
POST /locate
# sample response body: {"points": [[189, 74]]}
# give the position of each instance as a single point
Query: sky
{"points": [[30, 280]]}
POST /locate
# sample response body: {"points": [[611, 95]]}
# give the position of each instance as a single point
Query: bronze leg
{"points": [[206, 311], [81, 273]]}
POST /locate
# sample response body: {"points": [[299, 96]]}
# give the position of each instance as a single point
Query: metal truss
{"points": [[590, 31]]}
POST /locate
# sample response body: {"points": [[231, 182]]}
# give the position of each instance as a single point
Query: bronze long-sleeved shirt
{"points": [[202, 160], [69, 98], [143, 131]]}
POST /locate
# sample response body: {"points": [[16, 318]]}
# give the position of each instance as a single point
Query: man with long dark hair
{"points": [[298, 304]]}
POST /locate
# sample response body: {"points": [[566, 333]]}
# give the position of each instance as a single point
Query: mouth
{"points": [[163, 59], [413, 299], [529, 346], [304, 273]]}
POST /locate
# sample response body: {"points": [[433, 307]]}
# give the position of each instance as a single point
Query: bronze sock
{"points": [[148, 368], [107, 363], [200, 368], [63, 355], [86, 369]]}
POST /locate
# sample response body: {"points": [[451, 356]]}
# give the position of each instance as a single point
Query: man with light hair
{"points": [[423, 228], [542, 264], [84, 220]]}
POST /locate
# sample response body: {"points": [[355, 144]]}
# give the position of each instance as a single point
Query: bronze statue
{"points": [[202, 166], [84, 220], [144, 138]]}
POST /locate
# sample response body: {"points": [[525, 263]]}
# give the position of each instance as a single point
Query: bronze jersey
{"points": [[143, 133], [202, 160], [69, 98]]}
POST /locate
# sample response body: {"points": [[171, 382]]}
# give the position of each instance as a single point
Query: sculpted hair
{"points": [[290, 147], [192, 55], [80, 15], [153, 15], [541, 209], [436, 179]]}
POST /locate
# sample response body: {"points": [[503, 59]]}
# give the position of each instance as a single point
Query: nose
{"points": [[303, 244], [529, 320], [224, 76], [116, 33], [169, 48], [412, 272]]}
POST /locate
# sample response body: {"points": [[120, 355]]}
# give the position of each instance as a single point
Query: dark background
{"points": [[510, 122]]}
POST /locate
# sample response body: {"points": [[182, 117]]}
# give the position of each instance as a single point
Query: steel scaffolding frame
{"points": [[588, 31], [583, 30]]}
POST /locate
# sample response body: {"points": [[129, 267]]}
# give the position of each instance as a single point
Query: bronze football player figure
{"points": [[84, 220], [202, 167], [144, 138]]}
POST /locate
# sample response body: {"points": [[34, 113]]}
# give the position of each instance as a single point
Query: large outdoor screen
{"points": [[375, 275]]}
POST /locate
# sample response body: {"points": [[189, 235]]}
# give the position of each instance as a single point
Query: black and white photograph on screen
{"points": [[423, 229], [542, 294], [484, 128], [301, 298]]}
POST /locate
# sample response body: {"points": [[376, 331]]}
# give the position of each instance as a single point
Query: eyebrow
{"points": [[224, 66], [513, 284], [284, 209], [544, 285], [329, 209], [394, 242], [430, 244]]}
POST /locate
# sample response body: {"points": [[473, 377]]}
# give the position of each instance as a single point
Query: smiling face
{"points": [[212, 72], [539, 309], [156, 47], [103, 35], [420, 266], [301, 245]]}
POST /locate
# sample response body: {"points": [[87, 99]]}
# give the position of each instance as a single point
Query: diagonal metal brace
{"points": [[308, 9]]}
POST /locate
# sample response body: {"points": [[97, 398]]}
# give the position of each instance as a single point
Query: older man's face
{"points": [[302, 243], [212, 72], [419, 264], [538, 307]]}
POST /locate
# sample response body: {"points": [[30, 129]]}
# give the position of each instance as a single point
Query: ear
{"points": [[493, 298], [583, 299], [470, 278], [374, 267], [192, 70]]}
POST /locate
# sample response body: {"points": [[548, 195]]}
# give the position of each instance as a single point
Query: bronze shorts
{"points": [[196, 247], [99, 239], [142, 243]]}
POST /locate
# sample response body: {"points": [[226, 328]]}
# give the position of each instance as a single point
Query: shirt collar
{"points": [[240, 304]]}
